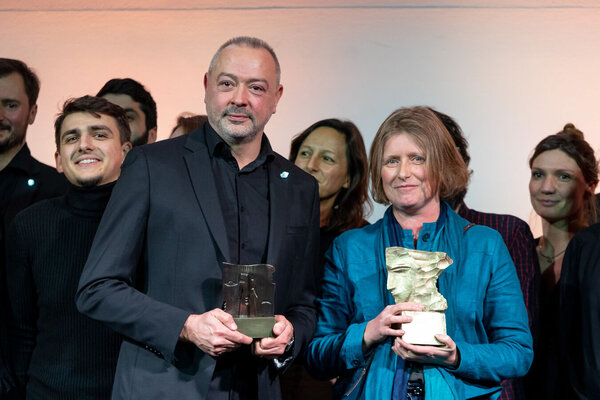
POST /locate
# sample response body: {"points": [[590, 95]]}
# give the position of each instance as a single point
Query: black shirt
{"points": [[244, 197], [25, 181]]}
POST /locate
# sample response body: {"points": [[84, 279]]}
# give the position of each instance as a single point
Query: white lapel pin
{"points": [[284, 174]]}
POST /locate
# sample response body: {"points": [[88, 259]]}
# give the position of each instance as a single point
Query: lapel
{"points": [[280, 201], [384, 242], [203, 183], [25, 192]]}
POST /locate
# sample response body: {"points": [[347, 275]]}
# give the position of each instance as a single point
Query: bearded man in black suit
{"points": [[182, 207]]}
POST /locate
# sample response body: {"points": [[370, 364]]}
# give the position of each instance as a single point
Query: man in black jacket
{"points": [[180, 208], [23, 179]]}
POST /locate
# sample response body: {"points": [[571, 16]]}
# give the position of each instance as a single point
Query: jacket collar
{"points": [[203, 182], [24, 161]]}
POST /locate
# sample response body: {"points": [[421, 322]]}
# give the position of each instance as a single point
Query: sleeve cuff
{"points": [[284, 360], [351, 352], [465, 352]]}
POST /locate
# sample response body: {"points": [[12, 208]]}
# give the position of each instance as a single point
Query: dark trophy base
{"points": [[255, 327]]}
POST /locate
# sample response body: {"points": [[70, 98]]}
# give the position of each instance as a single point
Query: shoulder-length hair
{"points": [[352, 205], [571, 142], [447, 172]]}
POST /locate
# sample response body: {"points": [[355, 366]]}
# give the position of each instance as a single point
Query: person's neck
{"points": [[458, 206], [8, 155], [415, 220], [556, 235], [326, 208], [552, 247], [246, 152]]}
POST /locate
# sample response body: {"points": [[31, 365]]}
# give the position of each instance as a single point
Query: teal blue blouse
{"points": [[486, 315]]}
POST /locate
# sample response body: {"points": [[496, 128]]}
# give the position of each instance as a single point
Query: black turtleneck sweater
{"points": [[57, 352]]}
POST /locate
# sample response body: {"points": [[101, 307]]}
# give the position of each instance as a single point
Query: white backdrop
{"points": [[510, 72]]}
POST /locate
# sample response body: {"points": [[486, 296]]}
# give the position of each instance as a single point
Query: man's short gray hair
{"points": [[248, 41]]}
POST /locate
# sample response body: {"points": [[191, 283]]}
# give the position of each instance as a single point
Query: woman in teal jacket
{"points": [[414, 164]]}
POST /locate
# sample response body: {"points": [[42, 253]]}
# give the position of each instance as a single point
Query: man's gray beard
{"points": [[89, 182], [235, 137], [12, 141]]}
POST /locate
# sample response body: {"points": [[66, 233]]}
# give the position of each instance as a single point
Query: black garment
{"points": [[598, 206], [246, 193], [326, 237], [579, 318], [541, 378], [23, 181], [296, 382], [165, 214], [544, 375], [57, 352]]}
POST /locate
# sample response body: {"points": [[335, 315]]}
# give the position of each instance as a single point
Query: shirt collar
{"points": [[21, 160], [218, 148], [399, 236]]}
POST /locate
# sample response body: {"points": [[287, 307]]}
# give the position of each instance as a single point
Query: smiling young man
{"points": [[23, 179], [181, 208], [57, 352]]}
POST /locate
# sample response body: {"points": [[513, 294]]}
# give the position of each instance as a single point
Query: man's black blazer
{"points": [[164, 216]]}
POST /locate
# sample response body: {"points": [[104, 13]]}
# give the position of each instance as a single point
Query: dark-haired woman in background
{"points": [[564, 175], [334, 153]]}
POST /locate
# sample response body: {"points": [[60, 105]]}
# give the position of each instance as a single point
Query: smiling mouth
{"points": [[87, 161]]}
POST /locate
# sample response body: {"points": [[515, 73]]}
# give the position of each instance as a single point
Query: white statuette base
{"points": [[424, 326]]}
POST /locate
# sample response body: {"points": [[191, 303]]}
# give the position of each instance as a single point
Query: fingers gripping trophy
{"points": [[412, 277]]}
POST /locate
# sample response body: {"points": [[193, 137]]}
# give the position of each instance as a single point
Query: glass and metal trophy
{"points": [[412, 277], [248, 295]]}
